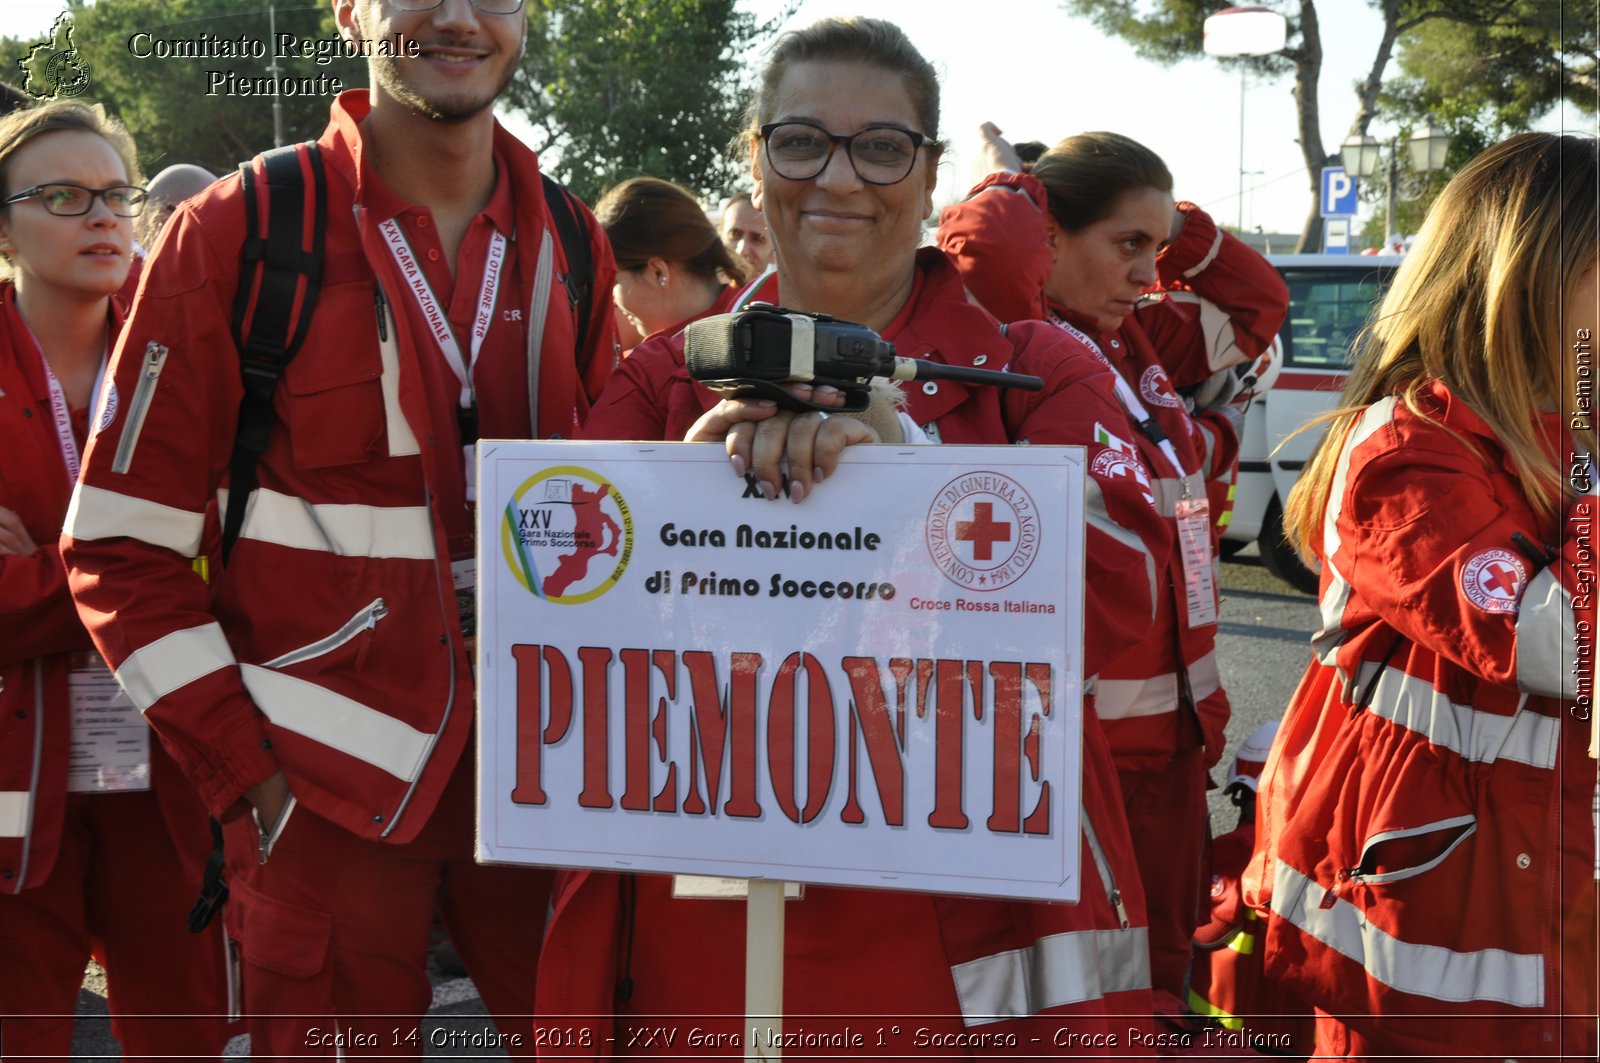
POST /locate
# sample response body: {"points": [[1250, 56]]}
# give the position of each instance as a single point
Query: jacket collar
{"points": [[1453, 412], [345, 152]]}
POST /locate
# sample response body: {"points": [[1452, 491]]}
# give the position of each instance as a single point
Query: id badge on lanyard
{"points": [[110, 740], [460, 362], [1193, 515], [1194, 542]]}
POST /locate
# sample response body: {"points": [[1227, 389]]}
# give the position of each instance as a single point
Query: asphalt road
{"points": [[1265, 627]]}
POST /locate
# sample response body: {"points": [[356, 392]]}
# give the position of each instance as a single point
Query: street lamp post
{"points": [[1429, 146], [1236, 32], [277, 100]]}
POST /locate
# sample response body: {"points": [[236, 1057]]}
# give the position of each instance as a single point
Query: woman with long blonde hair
{"points": [[1427, 825]]}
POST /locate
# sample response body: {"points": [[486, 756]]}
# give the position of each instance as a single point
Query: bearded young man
{"points": [[319, 691]]}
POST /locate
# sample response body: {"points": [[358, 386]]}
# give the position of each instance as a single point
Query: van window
{"points": [[1327, 309]]}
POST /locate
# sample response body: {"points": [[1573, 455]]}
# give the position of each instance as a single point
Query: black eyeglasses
{"points": [[881, 154], [67, 200], [488, 7]]}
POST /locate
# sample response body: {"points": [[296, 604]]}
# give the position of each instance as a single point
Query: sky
{"points": [[1040, 74]]}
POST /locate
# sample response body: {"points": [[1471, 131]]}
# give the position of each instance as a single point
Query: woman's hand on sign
{"points": [[762, 439]]}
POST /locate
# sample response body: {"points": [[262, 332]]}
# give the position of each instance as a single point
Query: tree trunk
{"points": [[1307, 67], [1367, 91], [1307, 72]]}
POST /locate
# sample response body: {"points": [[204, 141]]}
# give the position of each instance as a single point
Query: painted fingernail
{"points": [[768, 492], [817, 475], [797, 491], [737, 461]]}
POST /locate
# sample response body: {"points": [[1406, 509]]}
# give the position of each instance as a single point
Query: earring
{"points": [[660, 280]]}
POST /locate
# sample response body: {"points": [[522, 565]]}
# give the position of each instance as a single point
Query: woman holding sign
{"points": [[87, 862], [843, 144]]}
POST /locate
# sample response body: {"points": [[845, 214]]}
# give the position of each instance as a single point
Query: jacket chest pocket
{"points": [[333, 389]]}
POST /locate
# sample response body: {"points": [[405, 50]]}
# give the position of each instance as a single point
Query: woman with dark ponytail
{"points": [[672, 267]]}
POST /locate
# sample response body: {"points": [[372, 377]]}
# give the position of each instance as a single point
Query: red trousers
{"points": [[333, 931], [1167, 817], [120, 890]]}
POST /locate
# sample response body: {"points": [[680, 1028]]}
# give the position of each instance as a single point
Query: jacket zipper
{"points": [[365, 620], [155, 360], [446, 599], [267, 835], [1107, 880], [33, 778]]}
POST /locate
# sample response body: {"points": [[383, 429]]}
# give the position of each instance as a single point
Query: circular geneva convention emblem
{"points": [[983, 530], [1493, 580], [567, 535]]}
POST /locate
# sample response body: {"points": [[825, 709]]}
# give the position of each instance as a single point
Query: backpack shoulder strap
{"points": [[573, 232], [280, 276]]}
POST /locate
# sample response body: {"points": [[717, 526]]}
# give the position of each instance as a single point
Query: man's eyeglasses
{"points": [[881, 154], [488, 7], [68, 200]]}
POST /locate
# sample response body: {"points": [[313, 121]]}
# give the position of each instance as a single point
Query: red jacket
{"points": [[330, 646], [39, 629], [1219, 304], [977, 970], [1427, 824], [38, 626]]}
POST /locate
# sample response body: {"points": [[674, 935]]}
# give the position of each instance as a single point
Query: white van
{"points": [[1330, 299]]}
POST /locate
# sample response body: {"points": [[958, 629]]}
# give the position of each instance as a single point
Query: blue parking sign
{"points": [[1338, 192]]}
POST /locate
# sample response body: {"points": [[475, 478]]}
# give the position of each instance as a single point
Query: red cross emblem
{"points": [[1493, 580], [1500, 579], [991, 515], [983, 531], [1118, 465]]}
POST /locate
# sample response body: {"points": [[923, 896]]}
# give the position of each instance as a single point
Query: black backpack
{"points": [[281, 268]]}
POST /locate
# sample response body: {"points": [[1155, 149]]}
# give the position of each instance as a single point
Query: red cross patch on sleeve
{"points": [[1493, 580]]}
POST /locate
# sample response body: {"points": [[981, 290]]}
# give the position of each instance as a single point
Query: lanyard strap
{"points": [[416, 283], [1130, 401], [61, 412]]}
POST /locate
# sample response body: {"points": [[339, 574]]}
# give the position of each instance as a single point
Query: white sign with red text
{"points": [[880, 686]]}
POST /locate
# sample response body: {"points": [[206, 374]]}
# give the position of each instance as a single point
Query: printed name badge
{"points": [[464, 575], [1194, 539], [110, 740]]}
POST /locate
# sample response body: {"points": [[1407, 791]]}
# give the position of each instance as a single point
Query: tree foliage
{"points": [[171, 103], [1500, 74], [1480, 66], [620, 88], [613, 88]]}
